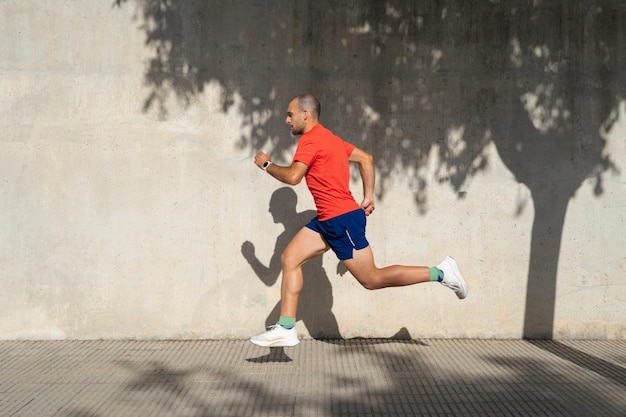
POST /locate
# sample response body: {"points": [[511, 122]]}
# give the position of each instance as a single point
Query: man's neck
{"points": [[310, 126]]}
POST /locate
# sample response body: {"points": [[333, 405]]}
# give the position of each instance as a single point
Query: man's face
{"points": [[295, 118]]}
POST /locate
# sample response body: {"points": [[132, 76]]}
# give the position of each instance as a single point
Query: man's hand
{"points": [[366, 168], [260, 158], [368, 205]]}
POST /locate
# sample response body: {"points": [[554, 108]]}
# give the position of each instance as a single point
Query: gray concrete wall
{"points": [[131, 207]]}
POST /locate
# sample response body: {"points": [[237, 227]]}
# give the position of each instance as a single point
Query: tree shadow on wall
{"points": [[411, 81]]}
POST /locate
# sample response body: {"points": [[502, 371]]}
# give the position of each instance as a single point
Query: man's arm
{"points": [[368, 175], [291, 175]]}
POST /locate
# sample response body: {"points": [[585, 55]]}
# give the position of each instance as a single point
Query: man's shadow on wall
{"points": [[316, 299]]}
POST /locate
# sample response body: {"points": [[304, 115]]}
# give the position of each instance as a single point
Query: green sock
{"points": [[287, 322], [436, 274]]}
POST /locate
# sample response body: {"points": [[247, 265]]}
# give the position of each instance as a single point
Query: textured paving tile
{"points": [[376, 377]]}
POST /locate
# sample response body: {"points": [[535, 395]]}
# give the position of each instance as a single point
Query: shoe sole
{"points": [[276, 343]]}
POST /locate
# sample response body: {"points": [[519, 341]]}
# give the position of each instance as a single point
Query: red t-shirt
{"points": [[328, 175]]}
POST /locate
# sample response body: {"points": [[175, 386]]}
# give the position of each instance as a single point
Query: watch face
{"points": [[266, 164]]}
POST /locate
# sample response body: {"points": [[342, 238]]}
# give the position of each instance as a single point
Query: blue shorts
{"points": [[343, 233]]}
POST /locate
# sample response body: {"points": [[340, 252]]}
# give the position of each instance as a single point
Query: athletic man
{"points": [[323, 160]]}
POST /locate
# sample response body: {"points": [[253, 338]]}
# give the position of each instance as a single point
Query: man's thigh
{"points": [[362, 265], [305, 245]]}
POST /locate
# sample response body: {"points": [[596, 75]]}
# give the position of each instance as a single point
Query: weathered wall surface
{"points": [[131, 207]]}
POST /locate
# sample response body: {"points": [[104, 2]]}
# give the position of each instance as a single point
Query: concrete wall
{"points": [[131, 207]]}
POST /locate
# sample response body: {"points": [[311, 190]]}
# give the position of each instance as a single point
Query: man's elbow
{"points": [[293, 179], [366, 160]]}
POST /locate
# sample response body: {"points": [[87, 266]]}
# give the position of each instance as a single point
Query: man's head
{"points": [[303, 113]]}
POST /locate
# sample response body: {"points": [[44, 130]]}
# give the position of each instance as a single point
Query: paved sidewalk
{"points": [[363, 377]]}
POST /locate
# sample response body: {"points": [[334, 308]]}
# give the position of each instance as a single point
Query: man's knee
{"points": [[369, 281], [285, 259], [369, 285], [289, 260]]}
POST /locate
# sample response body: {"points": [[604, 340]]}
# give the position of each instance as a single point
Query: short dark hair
{"points": [[310, 103]]}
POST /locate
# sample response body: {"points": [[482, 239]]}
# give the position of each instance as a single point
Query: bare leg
{"points": [[305, 245], [365, 271]]}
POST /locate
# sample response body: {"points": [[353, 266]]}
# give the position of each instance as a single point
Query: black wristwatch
{"points": [[266, 164]]}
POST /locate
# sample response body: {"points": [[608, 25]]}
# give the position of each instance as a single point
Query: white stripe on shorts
{"points": [[350, 237]]}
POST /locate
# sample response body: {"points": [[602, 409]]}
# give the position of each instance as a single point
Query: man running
{"points": [[323, 158]]}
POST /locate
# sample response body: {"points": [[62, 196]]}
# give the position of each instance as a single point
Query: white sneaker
{"points": [[276, 336], [452, 277]]}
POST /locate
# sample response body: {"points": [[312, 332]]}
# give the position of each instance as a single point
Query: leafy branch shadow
{"points": [[413, 81]]}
